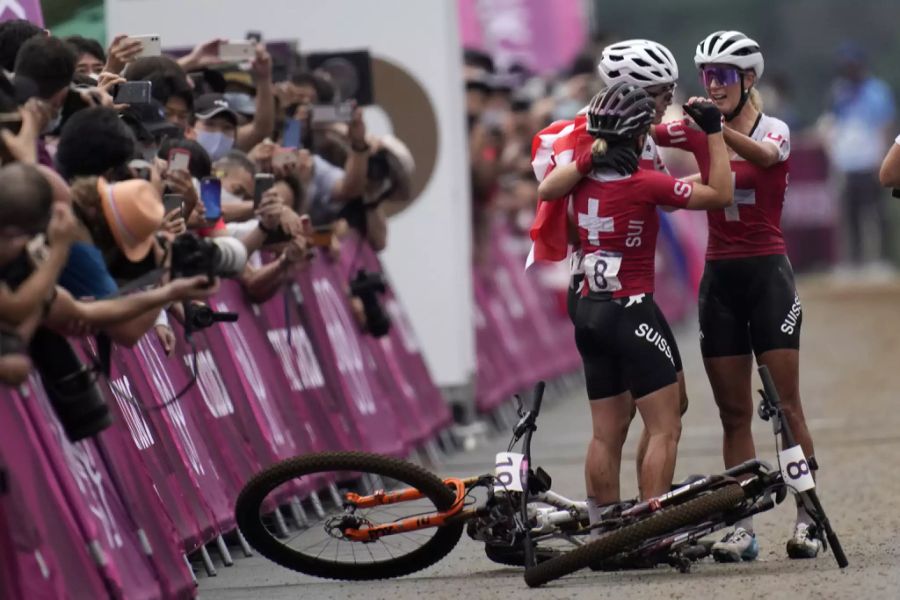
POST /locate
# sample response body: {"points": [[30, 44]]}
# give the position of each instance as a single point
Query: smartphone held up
{"points": [[211, 197]]}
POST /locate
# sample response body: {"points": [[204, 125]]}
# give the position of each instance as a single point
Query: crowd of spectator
{"points": [[95, 192]]}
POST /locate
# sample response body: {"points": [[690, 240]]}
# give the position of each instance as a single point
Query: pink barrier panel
{"points": [[497, 375], [288, 418], [178, 492], [558, 319], [248, 368], [520, 336], [222, 429], [95, 502], [313, 405], [335, 334], [521, 294], [242, 351], [9, 577], [158, 380], [145, 506], [399, 350], [40, 517]]}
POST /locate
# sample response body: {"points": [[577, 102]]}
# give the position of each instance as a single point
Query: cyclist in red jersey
{"points": [[748, 301], [651, 66], [617, 325]]}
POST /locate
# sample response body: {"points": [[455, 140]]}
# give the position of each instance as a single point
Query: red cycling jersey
{"points": [[617, 227], [752, 225]]}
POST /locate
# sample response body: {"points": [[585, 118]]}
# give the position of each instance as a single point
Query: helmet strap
{"points": [[745, 95]]}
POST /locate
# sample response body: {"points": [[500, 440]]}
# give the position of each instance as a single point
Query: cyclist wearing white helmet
{"points": [[620, 332], [748, 301], [650, 66]]}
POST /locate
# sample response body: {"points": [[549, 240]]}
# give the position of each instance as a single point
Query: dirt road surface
{"points": [[850, 381]]}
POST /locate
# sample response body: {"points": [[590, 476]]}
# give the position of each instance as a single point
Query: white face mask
{"points": [[229, 198], [216, 143]]}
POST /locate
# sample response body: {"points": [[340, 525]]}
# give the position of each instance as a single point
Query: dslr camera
{"points": [[213, 257], [368, 287]]}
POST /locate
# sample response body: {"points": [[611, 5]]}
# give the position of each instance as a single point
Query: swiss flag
{"points": [[556, 144]]}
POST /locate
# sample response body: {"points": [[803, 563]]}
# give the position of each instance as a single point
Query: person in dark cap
{"points": [[216, 125], [150, 127]]}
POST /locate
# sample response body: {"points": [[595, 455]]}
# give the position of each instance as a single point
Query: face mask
{"points": [[216, 143], [229, 198]]}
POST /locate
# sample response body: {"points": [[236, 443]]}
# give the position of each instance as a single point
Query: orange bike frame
{"points": [[382, 498]]}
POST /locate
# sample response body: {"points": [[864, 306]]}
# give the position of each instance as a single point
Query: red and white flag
{"points": [[553, 146]]}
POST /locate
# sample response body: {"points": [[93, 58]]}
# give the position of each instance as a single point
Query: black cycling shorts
{"points": [[624, 346], [748, 305], [574, 293]]}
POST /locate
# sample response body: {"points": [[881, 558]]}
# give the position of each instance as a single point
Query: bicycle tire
{"points": [[247, 512], [614, 542]]}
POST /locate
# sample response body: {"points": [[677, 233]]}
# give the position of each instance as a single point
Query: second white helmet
{"points": [[642, 63], [730, 48]]}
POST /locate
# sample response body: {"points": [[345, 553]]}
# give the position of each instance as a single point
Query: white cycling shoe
{"points": [[736, 546], [804, 544]]}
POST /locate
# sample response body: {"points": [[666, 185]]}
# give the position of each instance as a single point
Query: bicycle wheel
{"points": [[614, 542], [322, 549]]}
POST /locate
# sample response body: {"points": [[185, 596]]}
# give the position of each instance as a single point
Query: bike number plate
{"points": [[795, 469], [508, 472]]}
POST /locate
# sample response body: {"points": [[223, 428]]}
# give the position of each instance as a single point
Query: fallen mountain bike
{"points": [[386, 517], [669, 527]]}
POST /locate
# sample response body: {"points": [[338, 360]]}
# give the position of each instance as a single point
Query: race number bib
{"points": [[795, 470], [601, 271], [508, 472]]}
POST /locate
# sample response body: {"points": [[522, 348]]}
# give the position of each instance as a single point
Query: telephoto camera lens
{"points": [[231, 257], [214, 257]]}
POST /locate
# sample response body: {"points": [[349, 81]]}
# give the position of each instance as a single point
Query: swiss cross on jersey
{"points": [[618, 224], [752, 225]]}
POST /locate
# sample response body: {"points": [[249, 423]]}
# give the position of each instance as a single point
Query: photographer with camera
{"points": [[117, 223], [26, 211]]}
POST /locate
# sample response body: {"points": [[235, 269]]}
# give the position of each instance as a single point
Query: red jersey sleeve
{"points": [[681, 134], [664, 189]]}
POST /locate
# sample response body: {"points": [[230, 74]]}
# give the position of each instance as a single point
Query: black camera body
{"points": [[367, 287], [213, 257], [71, 386]]}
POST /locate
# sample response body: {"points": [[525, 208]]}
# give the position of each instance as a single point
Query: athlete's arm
{"points": [[762, 154], [559, 182], [889, 176], [719, 191]]}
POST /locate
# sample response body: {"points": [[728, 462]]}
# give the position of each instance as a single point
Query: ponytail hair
{"points": [[755, 99]]}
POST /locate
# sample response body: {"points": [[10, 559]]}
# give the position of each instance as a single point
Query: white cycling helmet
{"points": [[637, 62], [730, 48]]}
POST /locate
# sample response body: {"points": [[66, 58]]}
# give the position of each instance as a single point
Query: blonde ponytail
{"points": [[755, 99]]}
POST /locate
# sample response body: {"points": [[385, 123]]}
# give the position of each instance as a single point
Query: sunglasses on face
{"points": [[665, 92], [721, 75]]}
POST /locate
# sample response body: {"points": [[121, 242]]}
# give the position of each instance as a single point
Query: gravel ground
{"points": [[850, 374]]}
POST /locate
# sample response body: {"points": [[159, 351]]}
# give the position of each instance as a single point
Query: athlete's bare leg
{"points": [[610, 417], [662, 420]]}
